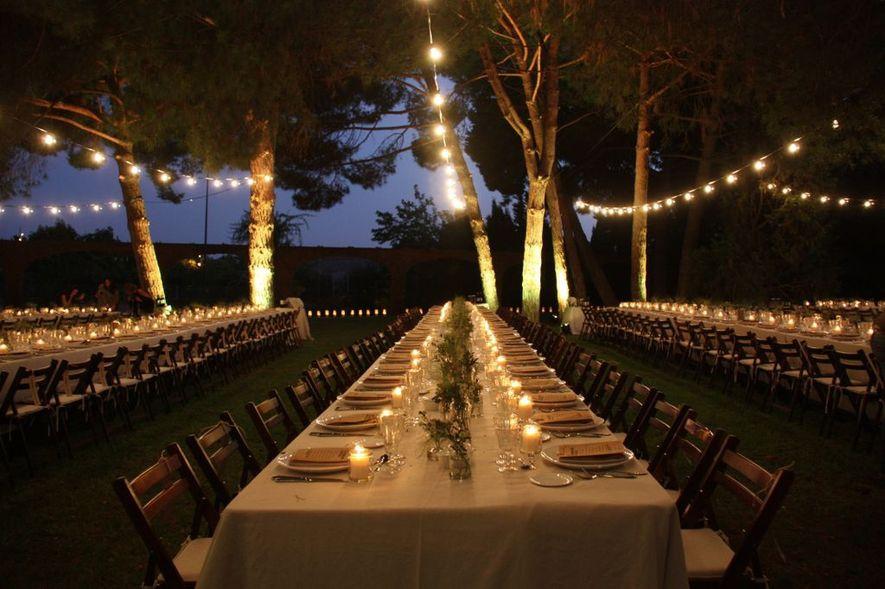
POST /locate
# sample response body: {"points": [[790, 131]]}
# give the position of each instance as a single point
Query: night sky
{"points": [[347, 224]]}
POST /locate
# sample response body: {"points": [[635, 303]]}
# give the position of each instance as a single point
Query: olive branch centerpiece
{"points": [[456, 392]]}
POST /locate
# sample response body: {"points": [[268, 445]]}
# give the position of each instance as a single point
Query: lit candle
{"points": [[68, 338], [93, 334], [502, 361], [531, 438], [4, 348], [396, 397], [415, 354], [516, 387], [524, 409], [359, 463], [116, 332]]}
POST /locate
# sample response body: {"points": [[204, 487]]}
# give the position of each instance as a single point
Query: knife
{"points": [[304, 479]]}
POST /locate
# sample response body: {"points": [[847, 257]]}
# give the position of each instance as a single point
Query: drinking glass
{"points": [[391, 427]]}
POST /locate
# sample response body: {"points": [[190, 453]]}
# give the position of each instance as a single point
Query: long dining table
{"points": [[77, 352], [419, 528]]}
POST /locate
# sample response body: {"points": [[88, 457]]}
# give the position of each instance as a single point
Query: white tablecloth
{"points": [[421, 529]]}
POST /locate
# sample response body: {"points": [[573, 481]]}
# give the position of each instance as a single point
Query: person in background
{"points": [[140, 301], [106, 295], [74, 297]]}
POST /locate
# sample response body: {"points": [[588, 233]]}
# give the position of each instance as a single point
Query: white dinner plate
{"points": [[551, 479], [283, 460], [329, 423], [606, 464], [555, 404]]}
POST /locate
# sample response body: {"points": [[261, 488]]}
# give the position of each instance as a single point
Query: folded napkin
{"points": [[564, 418], [353, 419], [398, 357], [539, 369], [590, 451], [366, 396], [376, 379], [319, 456], [537, 384], [391, 371], [552, 397]]}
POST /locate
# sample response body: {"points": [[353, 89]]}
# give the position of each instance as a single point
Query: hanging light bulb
{"points": [[54, 210], [688, 196], [74, 209], [164, 177], [835, 123], [95, 208], [445, 153], [439, 129], [793, 147], [48, 139], [97, 157], [786, 190], [134, 170], [771, 186], [670, 202], [234, 183], [759, 165], [191, 181], [843, 201], [805, 195], [114, 205], [250, 181], [731, 178], [267, 177], [26, 210], [824, 199], [708, 189], [437, 99], [435, 53], [867, 204], [656, 206], [217, 183]]}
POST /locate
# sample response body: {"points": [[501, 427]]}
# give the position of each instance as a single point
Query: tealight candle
{"points": [[116, 332], [416, 363], [501, 360], [524, 408], [4, 348], [40, 342], [516, 387], [396, 397], [68, 338], [415, 354], [359, 463], [93, 334], [531, 438]]}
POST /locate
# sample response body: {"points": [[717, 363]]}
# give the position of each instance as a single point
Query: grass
{"points": [[65, 527], [830, 531]]}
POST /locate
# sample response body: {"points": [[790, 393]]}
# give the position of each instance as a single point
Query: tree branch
{"points": [[80, 110], [90, 130]]}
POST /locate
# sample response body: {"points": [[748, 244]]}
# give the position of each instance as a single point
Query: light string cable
{"points": [[758, 165]]}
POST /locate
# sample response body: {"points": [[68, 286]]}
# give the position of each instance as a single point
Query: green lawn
{"points": [[65, 528], [831, 530]]}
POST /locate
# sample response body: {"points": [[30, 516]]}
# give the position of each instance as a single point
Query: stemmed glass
{"points": [[391, 425], [506, 435]]}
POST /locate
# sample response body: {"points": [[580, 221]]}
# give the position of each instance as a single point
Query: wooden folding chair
{"points": [[171, 476], [271, 413]]}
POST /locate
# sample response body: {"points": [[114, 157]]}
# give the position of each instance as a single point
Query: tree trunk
{"points": [[261, 219], [570, 239], [588, 258], [559, 255], [477, 226], [534, 242], [709, 138], [149, 276], [639, 253]]}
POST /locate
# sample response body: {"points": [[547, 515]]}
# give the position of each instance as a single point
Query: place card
{"points": [[578, 452], [320, 455], [564, 417]]}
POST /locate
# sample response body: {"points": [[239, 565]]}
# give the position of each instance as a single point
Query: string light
{"points": [[437, 99], [54, 210], [26, 210], [439, 129], [74, 209], [98, 157], [95, 208], [48, 139], [268, 177], [445, 153], [760, 164], [435, 53], [134, 170], [191, 181], [217, 183], [234, 183], [164, 177]]}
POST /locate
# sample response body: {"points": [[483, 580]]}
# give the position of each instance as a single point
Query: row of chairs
{"points": [[796, 371], [689, 459], [215, 450], [101, 386], [55, 322]]}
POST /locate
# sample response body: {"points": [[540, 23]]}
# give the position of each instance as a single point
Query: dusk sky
{"points": [[347, 224]]}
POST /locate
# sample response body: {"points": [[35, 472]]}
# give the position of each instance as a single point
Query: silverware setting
{"points": [[303, 478], [564, 435], [339, 434]]}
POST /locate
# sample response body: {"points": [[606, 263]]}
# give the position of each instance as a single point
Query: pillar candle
{"points": [[531, 438], [359, 463]]}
